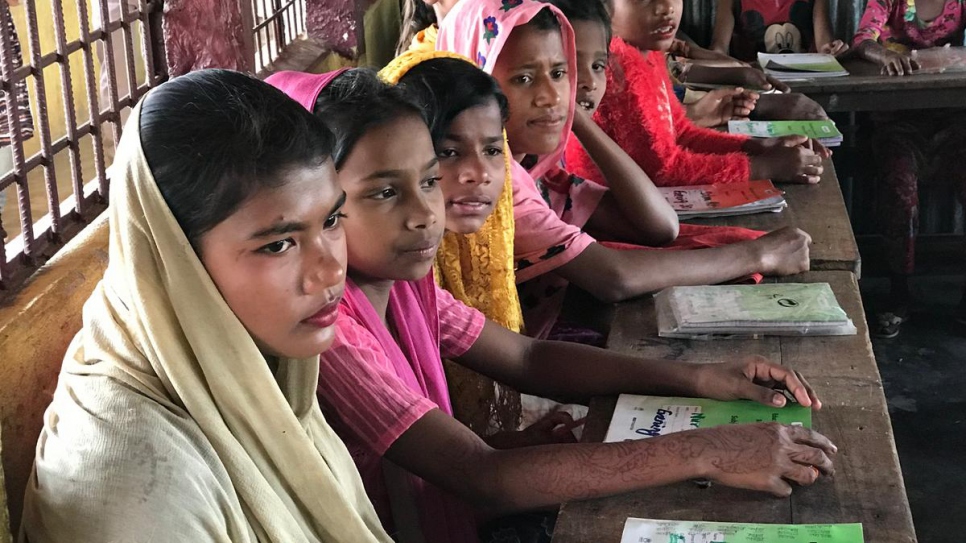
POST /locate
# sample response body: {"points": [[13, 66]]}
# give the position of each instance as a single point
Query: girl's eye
{"points": [[446, 153], [385, 194], [523, 79], [599, 66], [278, 247], [558, 74], [431, 182], [493, 151], [333, 221]]}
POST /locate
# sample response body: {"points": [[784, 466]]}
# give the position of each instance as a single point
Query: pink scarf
{"points": [[302, 87], [478, 29]]}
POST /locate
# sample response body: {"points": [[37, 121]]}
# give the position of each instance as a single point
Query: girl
{"points": [[787, 26], [908, 145], [383, 380], [639, 113], [529, 48], [185, 409]]}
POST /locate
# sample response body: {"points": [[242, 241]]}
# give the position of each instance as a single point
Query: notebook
{"points": [[800, 65], [641, 417], [673, 531], [824, 131], [703, 312], [724, 200]]}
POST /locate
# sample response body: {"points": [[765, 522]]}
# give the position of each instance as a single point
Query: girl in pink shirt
{"points": [[383, 386]]}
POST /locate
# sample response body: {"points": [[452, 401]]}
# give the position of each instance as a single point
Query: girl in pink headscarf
{"points": [[528, 46]]}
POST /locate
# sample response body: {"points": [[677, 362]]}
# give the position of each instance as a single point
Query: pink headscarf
{"points": [[302, 87], [478, 29]]}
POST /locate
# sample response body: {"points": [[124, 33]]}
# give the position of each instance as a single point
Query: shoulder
{"points": [[114, 465]]}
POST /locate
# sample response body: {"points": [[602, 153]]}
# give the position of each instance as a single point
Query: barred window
{"points": [[277, 23], [70, 73]]}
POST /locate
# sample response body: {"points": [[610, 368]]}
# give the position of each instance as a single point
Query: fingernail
{"points": [[778, 400]]}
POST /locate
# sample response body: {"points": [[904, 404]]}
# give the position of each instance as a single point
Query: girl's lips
{"points": [[470, 206], [664, 32], [423, 251], [326, 316], [548, 122]]}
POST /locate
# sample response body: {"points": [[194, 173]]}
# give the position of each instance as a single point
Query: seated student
{"points": [[767, 26], [383, 383], [910, 146], [640, 115], [185, 409], [549, 251]]}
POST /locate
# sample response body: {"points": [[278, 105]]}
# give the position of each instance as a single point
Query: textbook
{"points": [[674, 531], [824, 131], [641, 417], [800, 65], [774, 309], [723, 200]]}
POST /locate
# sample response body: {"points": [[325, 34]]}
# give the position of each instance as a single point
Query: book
{"points": [[824, 131], [702, 312], [641, 417], [722, 200], [800, 65], [674, 531]]}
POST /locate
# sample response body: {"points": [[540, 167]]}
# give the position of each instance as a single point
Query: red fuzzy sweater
{"points": [[642, 115]]}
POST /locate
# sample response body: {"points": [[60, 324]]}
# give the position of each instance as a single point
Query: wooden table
{"points": [[820, 211], [867, 486], [865, 89]]}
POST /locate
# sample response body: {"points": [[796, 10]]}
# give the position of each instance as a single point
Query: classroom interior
{"points": [[923, 369]]}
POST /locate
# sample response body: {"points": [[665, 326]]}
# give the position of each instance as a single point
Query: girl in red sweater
{"points": [[639, 112]]}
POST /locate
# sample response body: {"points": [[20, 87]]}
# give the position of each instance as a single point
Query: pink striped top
{"points": [[371, 399]]}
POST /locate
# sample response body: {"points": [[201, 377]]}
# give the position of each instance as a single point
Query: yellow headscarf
{"points": [[478, 270], [163, 385]]}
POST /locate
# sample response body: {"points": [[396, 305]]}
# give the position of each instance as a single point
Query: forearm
{"points": [[871, 51], [560, 369], [720, 75], [640, 202], [613, 275]]}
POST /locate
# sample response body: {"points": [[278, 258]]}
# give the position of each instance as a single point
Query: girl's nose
{"points": [[324, 268]]}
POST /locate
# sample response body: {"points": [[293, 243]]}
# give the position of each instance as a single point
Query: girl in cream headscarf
{"points": [[186, 406]]}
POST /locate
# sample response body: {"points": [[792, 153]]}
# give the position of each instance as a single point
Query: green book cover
{"points": [[775, 129], [641, 417], [771, 303], [670, 531]]}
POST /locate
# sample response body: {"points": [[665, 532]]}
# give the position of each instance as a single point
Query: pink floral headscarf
{"points": [[478, 29]]}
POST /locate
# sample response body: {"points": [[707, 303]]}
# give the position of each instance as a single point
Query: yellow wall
{"points": [[52, 75]]}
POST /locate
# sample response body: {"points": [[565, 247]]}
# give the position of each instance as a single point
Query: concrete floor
{"points": [[924, 374]]}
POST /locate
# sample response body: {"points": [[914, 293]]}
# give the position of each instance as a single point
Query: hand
{"points": [[722, 105], [554, 428], [782, 252], [785, 160], [754, 379], [834, 48], [763, 456], [895, 63], [680, 48], [760, 146]]}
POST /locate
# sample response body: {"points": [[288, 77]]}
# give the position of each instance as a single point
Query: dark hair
{"points": [[213, 138], [545, 19], [446, 87], [416, 16], [594, 11], [358, 101]]}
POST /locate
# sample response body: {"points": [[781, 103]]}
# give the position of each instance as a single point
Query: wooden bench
{"points": [[867, 486], [817, 209]]}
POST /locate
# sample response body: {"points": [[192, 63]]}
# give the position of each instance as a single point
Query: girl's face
{"points": [[592, 47], [647, 24], [279, 261], [532, 72], [472, 167], [394, 207]]}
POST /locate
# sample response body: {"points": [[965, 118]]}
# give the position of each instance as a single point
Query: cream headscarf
{"points": [[167, 423]]}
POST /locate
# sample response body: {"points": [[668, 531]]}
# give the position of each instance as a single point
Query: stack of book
{"points": [[824, 131], [678, 531], [800, 65], [778, 309], [723, 200]]}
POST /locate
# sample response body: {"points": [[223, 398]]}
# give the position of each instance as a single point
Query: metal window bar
{"points": [[39, 240], [277, 23]]}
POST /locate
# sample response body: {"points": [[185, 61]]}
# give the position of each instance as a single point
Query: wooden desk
{"points": [[865, 89], [820, 211], [867, 486]]}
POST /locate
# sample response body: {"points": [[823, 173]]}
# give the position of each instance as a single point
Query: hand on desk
{"points": [[754, 379], [782, 252], [557, 427], [895, 63], [719, 106], [795, 159], [834, 47], [764, 456]]}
